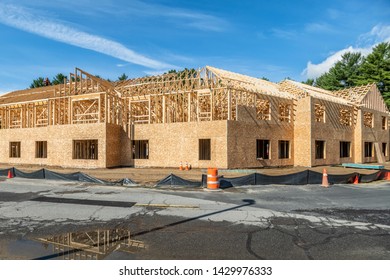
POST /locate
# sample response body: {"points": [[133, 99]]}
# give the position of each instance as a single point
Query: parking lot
{"points": [[248, 222]]}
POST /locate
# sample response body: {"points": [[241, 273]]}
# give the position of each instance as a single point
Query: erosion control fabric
{"points": [[301, 178], [77, 176], [254, 179], [175, 181]]}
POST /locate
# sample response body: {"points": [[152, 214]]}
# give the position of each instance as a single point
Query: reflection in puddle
{"points": [[91, 245]]}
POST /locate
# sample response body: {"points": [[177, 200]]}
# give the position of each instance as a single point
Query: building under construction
{"points": [[209, 117]]}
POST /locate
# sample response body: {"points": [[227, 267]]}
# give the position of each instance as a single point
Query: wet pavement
{"points": [[41, 219]]}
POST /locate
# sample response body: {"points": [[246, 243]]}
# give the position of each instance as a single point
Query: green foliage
{"points": [[353, 70], [376, 68], [309, 82], [328, 81], [343, 74], [123, 77], [185, 73], [39, 82], [58, 79]]}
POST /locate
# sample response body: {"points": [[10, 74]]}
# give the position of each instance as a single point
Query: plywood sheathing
{"points": [[301, 90], [59, 144], [231, 109], [303, 133], [332, 130], [27, 95], [251, 84], [173, 143], [354, 94], [375, 133]]}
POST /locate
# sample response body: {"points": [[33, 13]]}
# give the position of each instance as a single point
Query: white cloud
{"points": [[284, 34], [21, 18], [137, 8], [382, 32], [379, 33], [198, 20], [318, 27]]}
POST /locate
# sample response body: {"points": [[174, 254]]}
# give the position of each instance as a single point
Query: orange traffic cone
{"points": [[10, 174], [181, 166], [325, 182], [356, 180], [387, 176], [187, 166]]}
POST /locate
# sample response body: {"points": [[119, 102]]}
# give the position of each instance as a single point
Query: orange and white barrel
{"points": [[212, 178]]}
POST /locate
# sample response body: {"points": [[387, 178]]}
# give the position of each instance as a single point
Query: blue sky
{"points": [[273, 39]]}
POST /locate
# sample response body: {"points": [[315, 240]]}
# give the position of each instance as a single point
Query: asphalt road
{"points": [[266, 222]]}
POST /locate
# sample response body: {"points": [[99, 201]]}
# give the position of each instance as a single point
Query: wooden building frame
{"points": [[134, 110]]}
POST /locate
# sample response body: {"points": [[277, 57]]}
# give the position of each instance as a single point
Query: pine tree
{"points": [[376, 69], [58, 79], [123, 77], [343, 74], [39, 82]]}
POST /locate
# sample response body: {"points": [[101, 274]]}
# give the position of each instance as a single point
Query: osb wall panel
{"points": [[113, 145], [126, 148], [242, 136], [302, 133], [59, 144], [374, 134], [170, 144], [248, 113], [358, 136], [332, 132]]}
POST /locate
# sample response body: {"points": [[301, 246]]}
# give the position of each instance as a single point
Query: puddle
{"points": [[113, 244]]}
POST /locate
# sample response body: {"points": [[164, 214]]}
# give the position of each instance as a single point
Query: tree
{"points": [[328, 81], [376, 69], [348, 69], [265, 79], [123, 77], [343, 74], [39, 82], [183, 73], [309, 82], [59, 79]]}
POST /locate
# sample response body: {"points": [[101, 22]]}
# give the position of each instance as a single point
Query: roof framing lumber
{"points": [[191, 95]]}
